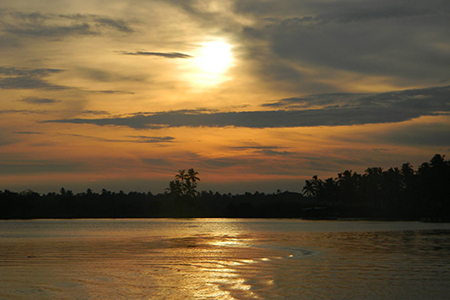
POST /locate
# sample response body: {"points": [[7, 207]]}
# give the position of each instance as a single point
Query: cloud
{"points": [[111, 92], [152, 139], [361, 14], [23, 78], [93, 112], [28, 132], [257, 147], [37, 24], [266, 150], [336, 110], [27, 72], [117, 24], [24, 111], [160, 54], [269, 152], [52, 31], [33, 100], [428, 99], [140, 139], [434, 134], [380, 38], [108, 76]]}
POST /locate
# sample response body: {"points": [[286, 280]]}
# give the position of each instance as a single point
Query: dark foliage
{"points": [[396, 193]]}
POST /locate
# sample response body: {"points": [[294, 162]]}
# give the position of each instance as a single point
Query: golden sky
{"points": [[254, 95]]}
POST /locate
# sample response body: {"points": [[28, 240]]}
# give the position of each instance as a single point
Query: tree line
{"points": [[396, 193]]}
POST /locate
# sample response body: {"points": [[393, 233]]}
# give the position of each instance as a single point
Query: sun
{"points": [[215, 57], [212, 62]]}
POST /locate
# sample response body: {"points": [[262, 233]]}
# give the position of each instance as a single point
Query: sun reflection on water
{"points": [[226, 261], [218, 259]]}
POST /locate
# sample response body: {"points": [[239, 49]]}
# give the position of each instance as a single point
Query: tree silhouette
{"points": [[396, 193], [181, 176], [184, 184], [312, 187], [192, 176]]}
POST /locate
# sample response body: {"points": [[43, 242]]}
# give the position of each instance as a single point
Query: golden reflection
{"points": [[221, 250], [228, 242]]}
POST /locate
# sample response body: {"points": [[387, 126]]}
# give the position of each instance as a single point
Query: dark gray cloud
{"points": [[140, 139], [428, 100], [160, 54], [37, 24], [362, 14], [38, 30], [338, 109], [418, 135], [117, 24], [23, 78], [269, 152], [152, 139], [34, 100], [111, 92], [7, 71], [319, 100], [382, 38]]}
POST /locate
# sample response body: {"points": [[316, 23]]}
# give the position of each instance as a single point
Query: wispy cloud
{"points": [[28, 132], [160, 54], [37, 24], [34, 100], [339, 109], [117, 24], [23, 78], [140, 139]]}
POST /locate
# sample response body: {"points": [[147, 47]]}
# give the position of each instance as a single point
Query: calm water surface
{"points": [[223, 259]]}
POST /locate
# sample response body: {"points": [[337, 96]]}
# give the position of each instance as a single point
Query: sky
{"points": [[254, 95]]}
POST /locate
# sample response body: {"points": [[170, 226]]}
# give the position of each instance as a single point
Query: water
{"points": [[223, 259]]}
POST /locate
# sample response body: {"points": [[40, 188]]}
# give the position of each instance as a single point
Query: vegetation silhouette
{"points": [[397, 193]]}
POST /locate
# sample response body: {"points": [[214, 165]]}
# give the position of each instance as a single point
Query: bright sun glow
{"points": [[212, 61], [215, 57]]}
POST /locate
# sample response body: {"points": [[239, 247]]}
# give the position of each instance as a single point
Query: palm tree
{"points": [[308, 189], [189, 189], [313, 187], [192, 176], [182, 176], [184, 183], [175, 188]]}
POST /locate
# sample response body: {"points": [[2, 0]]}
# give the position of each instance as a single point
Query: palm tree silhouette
{"points": [[175, 188], [185, 184], [182, 176], [192, 176], [312, 187]]}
